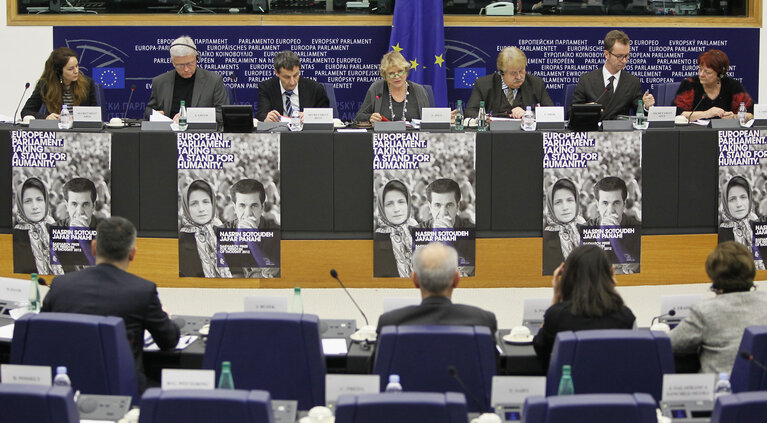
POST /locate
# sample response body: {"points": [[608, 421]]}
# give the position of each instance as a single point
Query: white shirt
{"points": [[606, 77], [293, 97]]}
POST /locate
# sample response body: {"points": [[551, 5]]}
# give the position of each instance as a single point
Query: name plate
{"points": [[550, 114], [86, 113], [661, 114], [393, 303], [201, 115], [318, 115], [679, 303], [688, 387], [534, 309], [188, 379], [760, 111], [337, 385], [725, 124], [435, 115], [397, 126], [514, 389], [263, 303], [14, 291], [25, 375]]}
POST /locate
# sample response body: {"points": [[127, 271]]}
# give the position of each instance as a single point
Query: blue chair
{"points": [[747, 376], [277, 352], [405, 407], [589, 408], [205, 406], [746, 407], [40, 404], [330, 91], [421, 356], [664, 93], [230, 94], [612, 361], [429, 95], [100, 101], [569, 92], [94, 348]]}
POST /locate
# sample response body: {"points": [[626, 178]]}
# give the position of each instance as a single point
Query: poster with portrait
{"points": [[228, 205], [592, 194], [424, 191], [61, 191], [742, 201]]}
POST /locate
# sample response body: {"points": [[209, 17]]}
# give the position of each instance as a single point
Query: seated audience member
{"points": [[61, 83], [393, 97], [712, 94], [510, 89], [435, 273], [715, 326], [287, 86], [196, 86], [107, 289], [584, 298]]}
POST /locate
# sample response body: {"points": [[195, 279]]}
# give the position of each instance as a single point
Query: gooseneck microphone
{"points": [[689, 118], [749, 357], [607, 88], [26, 87], [334, 274], [453, 372], [671, 313], [127, 106]]}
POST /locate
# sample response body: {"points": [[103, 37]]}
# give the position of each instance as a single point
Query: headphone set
{"points": [[197, 52], [722, 72]]}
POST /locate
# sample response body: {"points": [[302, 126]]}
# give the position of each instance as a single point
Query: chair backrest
{"points": [[747, 376], [205, 406], [569, 92], [330, 91], [100, 101], [664, 93], [429, 95], [94, 348], [405, 407], [230, 94], [589, 408], [277, 352], [39, 404], [746, 407], [612, 361], [421, 355]]}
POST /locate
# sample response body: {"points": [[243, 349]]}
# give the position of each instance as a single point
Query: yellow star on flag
{"points": [[397, 48], [414, 64], [439, 60]]}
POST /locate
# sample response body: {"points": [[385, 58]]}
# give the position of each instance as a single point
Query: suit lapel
{"points": [[278, 95], [503, 102], [167, 94], [199, 84]]}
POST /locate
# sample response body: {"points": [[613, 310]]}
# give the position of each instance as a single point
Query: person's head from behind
{"points": [[611, 193], [738, 198], [287, 67], [444, 195], [33, 201], [587, 282], [80, 196], [731, 268], [200, 203], [248, 196], [183, 56], [563, 202], [394, 202], [435, 270], [115, 240]]}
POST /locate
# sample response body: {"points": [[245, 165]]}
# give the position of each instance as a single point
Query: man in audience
{"points": [[611, 193], [435, 273], [275, 93], [80, 197], [107, 289], [444, 195]]}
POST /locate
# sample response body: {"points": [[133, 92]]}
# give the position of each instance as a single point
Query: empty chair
{"points": [[277, 352], [94, 348], [40, 404], [569, 92], [747, 376], [665, 93], [205, 406], [430, 95], [330, 91], [421, 355], [405, 407], [746, 407], [612, 361], [589, 408]]}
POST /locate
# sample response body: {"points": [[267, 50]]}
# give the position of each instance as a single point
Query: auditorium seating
{"points": [[277, 352], [569, 92], [746, 407], [421, 355], [747, 376], [205, 406], [429, 95], [664, 93], [589, 408], [405, 407], [330, 91], [40, 404], [612, 361]]}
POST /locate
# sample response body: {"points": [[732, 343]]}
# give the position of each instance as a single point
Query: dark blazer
{"points": [[488, 89], [438, 311], [310, 94], [35, 102], [209, 91], [379, 90], [591, 85]]}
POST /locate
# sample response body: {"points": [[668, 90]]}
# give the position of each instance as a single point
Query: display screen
{"points": [[678, 414], [701, 413], [512, 416]]}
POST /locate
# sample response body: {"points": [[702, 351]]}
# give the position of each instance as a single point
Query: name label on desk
{"points": [[25, 375], [201, 115], [679, 303], [336, 385], [550, 114], [318, 115], [534, 308], [86, 113], [514, 389], [688, 387], [760, 111], [262, 303], [661, 114], [14, 291], [435, 115], [188, 379]]}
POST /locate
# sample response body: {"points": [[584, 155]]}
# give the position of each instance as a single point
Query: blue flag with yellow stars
{"points": [[418, 32]]}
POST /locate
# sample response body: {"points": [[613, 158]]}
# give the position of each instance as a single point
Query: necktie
{"points": [[511, 94], [288, 103], [611, 84]]}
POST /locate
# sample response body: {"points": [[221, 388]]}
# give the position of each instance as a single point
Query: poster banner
{"points": [[742, 168], [61, 191], [424, 191], [228, 205], [592, 194]]}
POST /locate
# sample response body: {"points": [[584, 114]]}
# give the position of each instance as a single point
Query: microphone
{"points": [[234, 90], [689, 118], [132, 89], [748, 356], [41, 281], [26, 87], [453, 372], [607, 88], [671, 313], [334, 274]]}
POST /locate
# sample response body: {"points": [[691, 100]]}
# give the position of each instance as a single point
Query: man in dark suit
{"points": [[284, 86], [615, 90], [107, 289], [510, 89], [435, 273]]}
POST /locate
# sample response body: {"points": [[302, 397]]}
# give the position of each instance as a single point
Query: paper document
{"points": [[158, 117]]}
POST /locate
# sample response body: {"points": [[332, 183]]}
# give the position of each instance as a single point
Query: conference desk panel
{"points": [[698, 176]]}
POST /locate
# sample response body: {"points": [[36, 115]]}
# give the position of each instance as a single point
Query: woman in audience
{"points": [[392, 239], [61, 83], [560, 235], [715, 326], [737, 215], [584, 298], [30, 233], [197, 236]]}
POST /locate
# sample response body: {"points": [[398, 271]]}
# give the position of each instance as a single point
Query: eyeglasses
{"points": [[620, 57], [189, 65], [396, 74], [513, 73]]}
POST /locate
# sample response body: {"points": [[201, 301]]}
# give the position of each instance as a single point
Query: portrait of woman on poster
{"points": [[197, 236], [561, 235], [737, 215], [30, 234], [393, 239]]}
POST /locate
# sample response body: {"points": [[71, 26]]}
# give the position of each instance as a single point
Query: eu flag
{"points": [[109, 77], [465, 77], [418, 33]]}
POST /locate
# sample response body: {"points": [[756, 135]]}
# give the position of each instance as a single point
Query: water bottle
{"points": [[459, 116], [528, 120], [723, 386], [34, 295], [481, 118], [61, 379], [297, 306], [393, 385], [742, 114], [295, 121], [65, 119], [182, 125], [641, 121], [566, 382], [225, 381]]}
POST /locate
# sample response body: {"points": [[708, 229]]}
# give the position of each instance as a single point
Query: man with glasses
{"points": [[509, 90], [197, 87], [615, 90], [281, 94]]}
